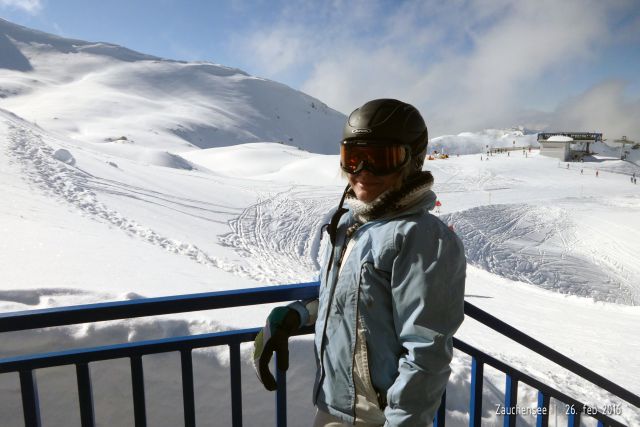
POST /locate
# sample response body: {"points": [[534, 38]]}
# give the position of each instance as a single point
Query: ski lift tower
{"points": [[623, 143]]}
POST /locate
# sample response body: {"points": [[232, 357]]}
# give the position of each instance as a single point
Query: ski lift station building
{"points": [[567, 145]]}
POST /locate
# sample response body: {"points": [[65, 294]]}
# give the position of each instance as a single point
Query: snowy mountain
{"points": [[99, 93], [479, 142], [88, 215]]}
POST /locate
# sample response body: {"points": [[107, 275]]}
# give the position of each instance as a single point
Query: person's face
{"points": [[368, 186]]}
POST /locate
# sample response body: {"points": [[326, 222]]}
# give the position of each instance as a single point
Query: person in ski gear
{"points": [[391, 286]]}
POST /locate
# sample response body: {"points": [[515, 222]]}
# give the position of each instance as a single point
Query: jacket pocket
{"points": [[375, 286]]}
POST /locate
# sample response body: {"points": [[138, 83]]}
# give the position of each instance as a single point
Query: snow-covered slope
{"points": [[89, 216], [83, 226], [99, 92], [479, 142]]}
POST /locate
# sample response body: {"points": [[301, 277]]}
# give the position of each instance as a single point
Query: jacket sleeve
{"points": [[307, 310], [427, 287]]}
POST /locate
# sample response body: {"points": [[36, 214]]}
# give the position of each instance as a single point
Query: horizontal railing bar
{"points": [[549, 353], [34, 319], [524, 378], [139, 348], [60, 316]]}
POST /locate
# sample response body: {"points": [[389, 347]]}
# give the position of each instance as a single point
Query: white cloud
{"points": [[602, 108], [29, 6], [276, 50], [466, 64]]}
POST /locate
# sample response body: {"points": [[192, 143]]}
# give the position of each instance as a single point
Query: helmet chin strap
{"points": [[332, 227]]}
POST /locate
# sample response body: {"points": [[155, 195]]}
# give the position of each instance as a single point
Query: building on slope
{"points": [[567, 146]]}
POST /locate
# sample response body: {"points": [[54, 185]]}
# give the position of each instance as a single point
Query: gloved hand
{"points": [[281, 324]]}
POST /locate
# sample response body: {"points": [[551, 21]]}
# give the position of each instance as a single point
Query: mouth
{"points": [[368, 183]]}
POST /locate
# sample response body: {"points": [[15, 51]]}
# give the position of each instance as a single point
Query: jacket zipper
{"points": [[353, 355], [326, 316]]}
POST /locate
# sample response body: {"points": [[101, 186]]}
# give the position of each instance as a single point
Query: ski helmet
{"points": [[389, 121]]}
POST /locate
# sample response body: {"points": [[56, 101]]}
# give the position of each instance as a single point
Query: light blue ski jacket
{"points": [[405, 279]]}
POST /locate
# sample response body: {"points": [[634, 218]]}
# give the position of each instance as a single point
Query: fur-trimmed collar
{"points": [[392, 201]]}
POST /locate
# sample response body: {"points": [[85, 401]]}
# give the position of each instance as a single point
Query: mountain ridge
{"points": [[93, 91]]}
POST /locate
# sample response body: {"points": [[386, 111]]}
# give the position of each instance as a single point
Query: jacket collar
{"points": [[413, 196]]}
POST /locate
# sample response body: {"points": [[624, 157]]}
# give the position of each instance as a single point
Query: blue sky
{"points": [[467, 64]]}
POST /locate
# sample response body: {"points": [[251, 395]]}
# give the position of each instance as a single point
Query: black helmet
{"points": [[392, 121]]}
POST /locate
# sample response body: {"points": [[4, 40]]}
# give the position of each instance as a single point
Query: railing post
{"points": [[30, 404], [281, 396], [236, 384], [137, 384], [475, 404], [510, 401], [574, 417], [85, 395], [543, 410], [440, 414], [188, 401]]}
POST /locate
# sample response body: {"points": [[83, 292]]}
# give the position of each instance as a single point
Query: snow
{"points": [[95, 92], [115, 185], [478, 142], [559, 138]]}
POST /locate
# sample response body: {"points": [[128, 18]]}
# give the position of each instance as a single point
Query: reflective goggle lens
{"points": [[378, 159]]}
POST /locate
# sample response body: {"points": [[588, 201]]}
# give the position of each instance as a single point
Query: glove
{"points": [[281, 324]]}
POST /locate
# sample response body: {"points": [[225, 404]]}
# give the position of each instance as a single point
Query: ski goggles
{"points": [[379, 158]]}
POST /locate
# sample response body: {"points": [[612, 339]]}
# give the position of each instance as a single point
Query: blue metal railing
{"points": [[26, 364]]}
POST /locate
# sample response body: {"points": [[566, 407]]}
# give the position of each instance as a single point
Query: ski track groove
{"points": [[553, 256], [279, 235], [67, 183]]}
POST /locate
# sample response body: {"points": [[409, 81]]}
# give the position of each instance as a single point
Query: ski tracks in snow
{"points": [[541, 246], [280, 235], [65, 182]]}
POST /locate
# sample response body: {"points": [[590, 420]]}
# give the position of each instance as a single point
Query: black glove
{"points": [[281, 324]]}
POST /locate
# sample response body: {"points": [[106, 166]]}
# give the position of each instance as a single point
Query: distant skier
{"points": [[581, 171], [597, 173], [438, 205], [392, 288]]}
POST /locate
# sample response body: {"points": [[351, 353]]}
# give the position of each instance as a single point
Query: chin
{"points": [[366, 197]]}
